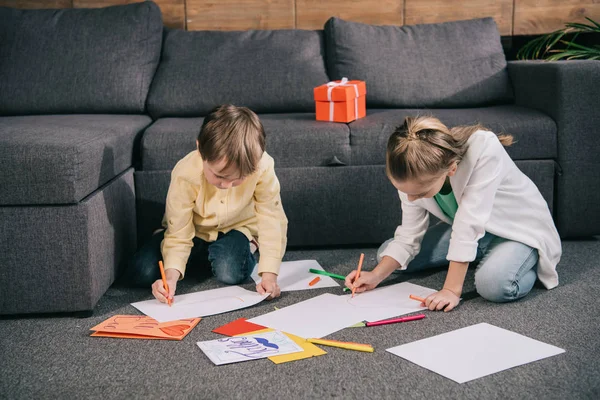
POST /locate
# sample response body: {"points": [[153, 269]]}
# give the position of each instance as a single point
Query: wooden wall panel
{"points": [[231, 15], [514, 17], [173, 11], [433, 11], [542, 16], [312, 14], [33, 4], [101, 3]]}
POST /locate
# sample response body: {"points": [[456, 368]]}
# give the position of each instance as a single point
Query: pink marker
{"points": [[396, 320]]}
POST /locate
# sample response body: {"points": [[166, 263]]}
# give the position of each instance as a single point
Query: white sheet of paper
{"points": [[313, 318], [475, 351], [248, 347], [328, 313], [200, 304], [388, 301], [294, 275]]}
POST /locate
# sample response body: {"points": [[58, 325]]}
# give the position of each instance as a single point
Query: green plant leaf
{"points": [[571, 54], [582, 27], [593, 22], [595, 49], [538, 47], [546, 46]]}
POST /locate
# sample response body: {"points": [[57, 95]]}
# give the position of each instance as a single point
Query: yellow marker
{"points": [[344, 345]]}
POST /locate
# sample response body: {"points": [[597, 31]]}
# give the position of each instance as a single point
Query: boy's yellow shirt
{"points": [[196, 208]]}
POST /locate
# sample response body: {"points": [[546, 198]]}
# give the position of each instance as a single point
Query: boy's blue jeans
{"points": [[506, 270], [229, 257]]}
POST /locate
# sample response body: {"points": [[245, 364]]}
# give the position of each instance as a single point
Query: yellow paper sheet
{"points": [[310, 350]]}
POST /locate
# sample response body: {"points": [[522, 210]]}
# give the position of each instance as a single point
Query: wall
{"points": [[514, 17]]}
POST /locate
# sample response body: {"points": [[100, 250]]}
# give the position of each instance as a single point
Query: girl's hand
{"points": [[268, 284], [366, 281], [445, 300], [158, 288]]}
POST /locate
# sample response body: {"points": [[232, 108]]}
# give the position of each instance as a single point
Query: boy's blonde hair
{"points": [[423, 146], [233, 133]]}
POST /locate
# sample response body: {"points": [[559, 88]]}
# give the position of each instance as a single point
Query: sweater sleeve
{"points": [[271, 221], [178, 241], [477, 201], [408, 236]]}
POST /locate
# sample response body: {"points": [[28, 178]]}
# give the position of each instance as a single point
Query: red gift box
{"points": [[340, 101]]}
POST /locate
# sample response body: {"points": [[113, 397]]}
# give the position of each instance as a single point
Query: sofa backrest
{"points": [[266, 70], [452, 64], [78, 60]]}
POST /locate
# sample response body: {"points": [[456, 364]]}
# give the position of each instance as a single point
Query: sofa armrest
{"points": [[569, 92]]}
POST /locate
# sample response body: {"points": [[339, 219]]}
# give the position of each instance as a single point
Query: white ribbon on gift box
{"points": [[344, 82]]}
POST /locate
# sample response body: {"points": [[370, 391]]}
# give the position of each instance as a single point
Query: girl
{"points": [[492, 213]]}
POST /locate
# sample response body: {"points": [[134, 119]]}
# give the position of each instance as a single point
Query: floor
{"points": [[54, 357]]}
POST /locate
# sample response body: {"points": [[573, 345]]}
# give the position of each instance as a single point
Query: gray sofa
{"points": [[97, 106]]}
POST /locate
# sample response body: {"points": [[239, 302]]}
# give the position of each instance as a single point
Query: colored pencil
{"points": [[314, 281], [343, 345], [360, 263], [417, 298], [164, 279], [321, 272], [396, 320]]}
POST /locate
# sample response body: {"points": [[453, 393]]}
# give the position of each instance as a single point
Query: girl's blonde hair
{"points": [[423, 146], [233, 133]]}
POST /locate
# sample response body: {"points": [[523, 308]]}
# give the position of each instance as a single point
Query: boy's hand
{"points": [[366, 281], [445, 300], [158, 289], [268, 284]]}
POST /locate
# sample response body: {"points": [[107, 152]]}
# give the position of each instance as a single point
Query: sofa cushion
{"points": [[268, 71], [535, 132], [78, 60], [451, 64], [60, 159], [360, 203], [293, 140]]}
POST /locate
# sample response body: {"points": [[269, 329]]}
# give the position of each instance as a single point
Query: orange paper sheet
{"points": [[238, 327], [143, 327]]}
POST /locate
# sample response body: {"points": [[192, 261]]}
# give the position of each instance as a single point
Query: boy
{"points": [[221, 197]]}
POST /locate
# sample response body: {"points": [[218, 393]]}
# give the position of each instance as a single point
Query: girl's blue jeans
{"points": [[229, 257], [506, 270]]}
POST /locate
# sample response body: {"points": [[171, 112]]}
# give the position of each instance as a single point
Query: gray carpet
{"points": [[55, 357]]}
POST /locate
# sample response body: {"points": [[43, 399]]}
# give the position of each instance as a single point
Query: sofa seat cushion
{"points": [[293, 140], [446, 65], [60, 159], [266, 70], [535, 132], [78, 61]]}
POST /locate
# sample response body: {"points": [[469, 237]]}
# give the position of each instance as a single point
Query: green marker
{"points": [[318, 271]]}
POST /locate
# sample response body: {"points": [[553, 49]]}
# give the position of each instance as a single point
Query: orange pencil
{"points": [[164, 279], [360, 262], [314, 281], [412, 296]]}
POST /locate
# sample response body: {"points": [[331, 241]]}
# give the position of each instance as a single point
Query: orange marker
{"points": [[417, 298], [360, 262], [164, 279], [314, 281]]}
